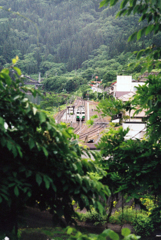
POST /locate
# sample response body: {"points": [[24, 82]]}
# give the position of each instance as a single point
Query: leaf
{"points": [[122, 12], [139, 54], [1, 121], [31, 143], [19, 150], [125, 232], [17, 70], [54, 187], [14, 60], [104, 3], [123, 3], [9, 145], [143, 69], [29, 194], [38, 179], [69, 231], [133, 3], [106, 233], [6, 71], [78, 178], [114, 235], [28, 173], [7, 78], [150, 68], [45, 151], [149, 29], [139, 35], [132, 37], [47, 182], [16, 191], [113, 2], [74, 166], [4, 196], [100, 208], [42, 117], [34, 110]]}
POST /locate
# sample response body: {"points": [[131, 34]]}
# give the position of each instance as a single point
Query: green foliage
{"points": [[92, 217], [71, 35], [155, 217], [91, 120], [74, 234], [127, 216], [53, 100], [149, 11], [52, 233], [148, 97], [35, 154], [112, 106], [130, 162], [143, 225], [109, 76], [59, 233]]}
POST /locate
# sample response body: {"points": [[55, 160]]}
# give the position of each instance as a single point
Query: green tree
{"points": [[109, 76], [40, 160], [134, 165], [148, 10]]}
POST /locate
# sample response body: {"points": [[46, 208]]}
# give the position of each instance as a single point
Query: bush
{"points": [[128, 216], [143, 225], [92, 217]]}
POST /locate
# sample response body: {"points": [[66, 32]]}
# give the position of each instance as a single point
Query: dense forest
{"points": [[76, 41]]}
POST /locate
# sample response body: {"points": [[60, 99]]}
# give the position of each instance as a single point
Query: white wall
{"points": [[124, 84], [136, 84], [137, 130]]}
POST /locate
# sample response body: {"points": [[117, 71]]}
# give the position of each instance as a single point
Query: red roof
{"points": [[113, 83]]}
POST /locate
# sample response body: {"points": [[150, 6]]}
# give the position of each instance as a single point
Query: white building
{"points": [[125, 90], [125, 85]]}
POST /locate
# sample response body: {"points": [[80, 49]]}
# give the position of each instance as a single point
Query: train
{"points": [[80, 114], [70, 110]]}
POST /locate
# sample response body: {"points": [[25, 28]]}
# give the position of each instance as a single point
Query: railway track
{"points": [[76, 128], [60, 115], [84, 132], [92, 131]]}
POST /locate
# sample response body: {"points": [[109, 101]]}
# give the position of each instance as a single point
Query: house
{"points": [[125, 85], [125, 89], [111, 89]]}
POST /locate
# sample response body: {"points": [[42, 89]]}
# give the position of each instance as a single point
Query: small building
{"points": [[125, 90], [125, 85]]}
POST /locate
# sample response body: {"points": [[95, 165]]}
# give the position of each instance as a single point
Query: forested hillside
{"points": [[73, 35]]}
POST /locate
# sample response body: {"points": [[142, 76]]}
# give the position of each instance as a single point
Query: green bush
{"points": [[92, 217], [143, 225], [128, 216]]}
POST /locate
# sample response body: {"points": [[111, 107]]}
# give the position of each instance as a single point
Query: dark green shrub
{"points": [[143, 225], [92, 217]]}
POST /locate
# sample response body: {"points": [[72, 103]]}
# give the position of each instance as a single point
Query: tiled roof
{"points": [[119, 94], [127, 96]]}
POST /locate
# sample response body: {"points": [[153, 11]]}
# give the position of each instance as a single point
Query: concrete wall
{"points": [[137, 130], [136, 84], [124, 84]]}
